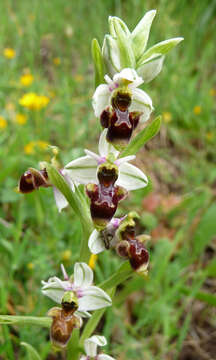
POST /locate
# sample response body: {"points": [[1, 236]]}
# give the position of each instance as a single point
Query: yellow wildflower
{"points": [[197, 109], [92, 261], [3, 123], [21, 119], [167, 117], [9, 53], [29, 148], [212, 92], [26, 79], [33, 101], [79, 78], [43, 145], [57, 61], [210, 136], [66, 255], [30, 266]]}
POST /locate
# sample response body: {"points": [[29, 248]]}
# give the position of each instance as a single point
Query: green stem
{"points": [[73, 346], [44, 321], [78, 204]]}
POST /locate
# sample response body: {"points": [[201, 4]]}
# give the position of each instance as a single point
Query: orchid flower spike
{"points": [[122, 93], [84, 169], [91, 345], [89, 297]]}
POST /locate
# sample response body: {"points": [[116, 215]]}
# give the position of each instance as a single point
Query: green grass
{"points": [[150, 319]]}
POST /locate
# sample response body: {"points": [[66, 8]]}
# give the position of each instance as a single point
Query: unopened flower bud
{"points": [[32, 179]]}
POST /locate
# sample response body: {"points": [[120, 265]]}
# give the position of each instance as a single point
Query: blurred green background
{"points": [[45, 49]]}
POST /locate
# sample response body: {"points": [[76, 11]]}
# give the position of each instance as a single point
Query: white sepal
{"points": [[82, 170], [141, 102], [83, 275], [100, 99], [93, 298], [104, 357], [83, 314], [55, 288], [104, 147], [95, 242], [92, 343], [60, 200], [131, 177]]}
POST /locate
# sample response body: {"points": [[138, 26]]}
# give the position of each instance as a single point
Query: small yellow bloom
{"points": [[43, 145], [33, 101], [3, 123], [197, 110], [29, 148], [57, 61], [79, 78], [9, 53], [212, 92], [92, 261], [66, 255], [167, 117], [30, 266], [210, 136], [26, 79], [21, 119]]}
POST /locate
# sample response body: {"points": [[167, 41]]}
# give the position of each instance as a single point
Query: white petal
{"points": [[82, 170], [91, 344], [60, 200], [151, 68], [84, 358], [104, 357], [104, 147], [125, 159], [131, 177], [141, 102], [101, 99], [93, 298], [55, 288], [83, 275], [95, 243], [83, 314]]}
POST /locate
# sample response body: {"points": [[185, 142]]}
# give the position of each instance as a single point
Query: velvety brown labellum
{"points": [[32, 179], [62, 326], [104, 202], [138, 255]]}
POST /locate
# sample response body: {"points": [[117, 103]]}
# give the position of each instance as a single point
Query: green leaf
{"points": [[32, 353], [44, 321], [98, 62], [205, 231], [140, 34], [127, 57], [142, 137], [161, 48]]}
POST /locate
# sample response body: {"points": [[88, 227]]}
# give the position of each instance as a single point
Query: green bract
{"points": [[122, 49]]}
